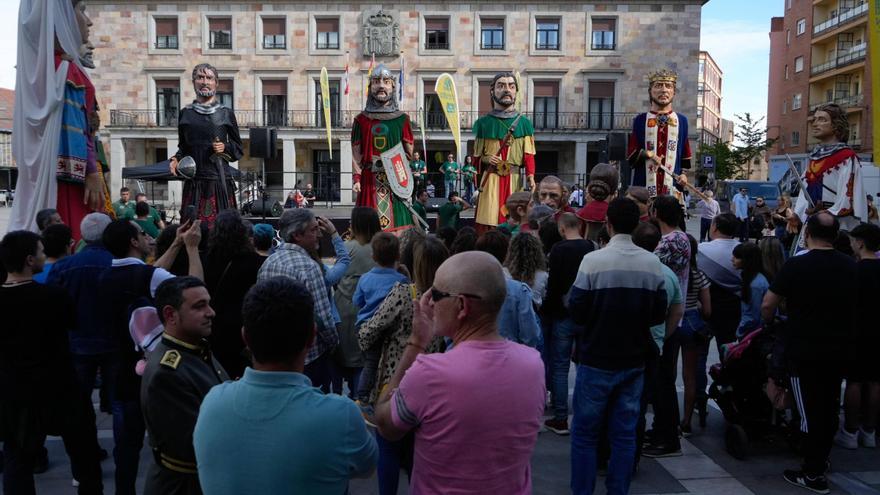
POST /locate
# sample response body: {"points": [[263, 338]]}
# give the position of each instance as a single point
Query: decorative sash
{"points": [[653, 122]]}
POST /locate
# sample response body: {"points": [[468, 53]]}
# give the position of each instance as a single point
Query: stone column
{"points": [[117, 163], [580, 160], [175, 187], [288, 166], [346, 196]]}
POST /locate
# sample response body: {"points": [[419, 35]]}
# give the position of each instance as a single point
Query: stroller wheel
{"points": [[737, 441]]}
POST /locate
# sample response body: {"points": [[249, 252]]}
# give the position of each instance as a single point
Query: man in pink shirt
{"points": [[476, 410]]}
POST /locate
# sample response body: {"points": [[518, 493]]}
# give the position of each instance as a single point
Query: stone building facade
{"points": [[583, 68]]}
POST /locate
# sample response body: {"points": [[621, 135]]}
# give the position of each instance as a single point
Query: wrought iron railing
{"points": [[342, 119]]}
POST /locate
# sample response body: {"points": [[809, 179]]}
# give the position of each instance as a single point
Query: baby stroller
{"points": [[739, 387]]}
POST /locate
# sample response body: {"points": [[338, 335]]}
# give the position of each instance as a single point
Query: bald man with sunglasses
{"points": [[476, 410]]}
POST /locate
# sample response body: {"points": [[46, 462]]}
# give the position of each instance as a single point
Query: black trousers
{"points": [[665, 400], [816, 390]]}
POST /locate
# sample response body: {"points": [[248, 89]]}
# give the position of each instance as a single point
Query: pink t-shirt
{"points": [[477, 410]]}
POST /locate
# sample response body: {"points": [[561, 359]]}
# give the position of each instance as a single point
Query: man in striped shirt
{"points": [[618, 294]]}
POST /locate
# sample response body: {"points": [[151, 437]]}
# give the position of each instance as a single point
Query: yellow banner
{"points": [[325, 102], [445, 89], [874, 62], [520, 94]]}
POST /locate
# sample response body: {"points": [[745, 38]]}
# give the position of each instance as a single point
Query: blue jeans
{"points": [[448, 187], [128, 435], [562, 340], [392, 457], [599, 394], [705, 223], [469, 187]]}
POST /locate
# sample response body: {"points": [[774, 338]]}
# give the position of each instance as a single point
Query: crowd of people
{"points": [[441, 356]]}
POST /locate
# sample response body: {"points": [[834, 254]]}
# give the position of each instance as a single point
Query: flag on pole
{"points": [[518, 102], [369, 75], [325, 102], [400, 78], [345, 81], [422, 129], [445, 89]]}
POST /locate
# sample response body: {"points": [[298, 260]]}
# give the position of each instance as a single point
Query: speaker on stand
{"points": [[263, 142]]}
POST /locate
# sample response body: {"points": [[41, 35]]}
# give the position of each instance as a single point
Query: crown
{"points": [[662, 75], [381, 19]]}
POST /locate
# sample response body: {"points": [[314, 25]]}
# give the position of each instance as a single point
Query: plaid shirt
{"points": [[292, 261]]}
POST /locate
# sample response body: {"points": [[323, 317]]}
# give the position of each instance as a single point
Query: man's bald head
{"points": [[823, 227], [477, 273]]}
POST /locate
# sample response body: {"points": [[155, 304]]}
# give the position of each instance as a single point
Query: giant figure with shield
{"points": [[381, 148]]}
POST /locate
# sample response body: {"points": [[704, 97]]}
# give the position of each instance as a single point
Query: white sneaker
{"points": [[867, 438], [846, 439]]}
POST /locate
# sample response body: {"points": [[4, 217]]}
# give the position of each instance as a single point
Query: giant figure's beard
{"points": [[497, 99], [206, 93]]}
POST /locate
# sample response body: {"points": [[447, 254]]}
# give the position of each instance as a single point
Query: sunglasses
{"points": [[438, 295]]}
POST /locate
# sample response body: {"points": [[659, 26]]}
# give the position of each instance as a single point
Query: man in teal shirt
{"points": [[469, 174], [448, 215], [419, 204], [124, 207], [153, 216], [272, 431], [419, 170], [450, 170]]}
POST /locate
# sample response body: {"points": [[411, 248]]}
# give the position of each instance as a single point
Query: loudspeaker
{"points": [[273, 207], [617, 146], [263, 141]]}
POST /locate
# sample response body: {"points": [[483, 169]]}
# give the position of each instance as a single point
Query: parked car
{"points": [[766, 189]]}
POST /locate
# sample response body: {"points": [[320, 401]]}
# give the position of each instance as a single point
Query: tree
{"points": [[735, 161]]}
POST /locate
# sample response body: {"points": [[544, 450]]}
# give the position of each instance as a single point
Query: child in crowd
{"points": [[517, 206], [372, 288]]}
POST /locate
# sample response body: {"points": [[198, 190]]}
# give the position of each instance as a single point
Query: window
{"points": [[785, 106], [274, 33], [275, 102], [796, 102], [787, 4], [798, 64], [603, 37], [334, 104], [484, 100], [801, 26], [220, 33], [787, 37], [546, 104], [786, 71], [328, 34], [225, 93], [601, 104], [167, 102], [166, 33], [492, 34], [437, 34], [434, 117], [326, 174], [795, 138], [547, 34]]}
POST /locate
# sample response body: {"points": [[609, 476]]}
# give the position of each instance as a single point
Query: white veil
{"points": [[39, 98]]}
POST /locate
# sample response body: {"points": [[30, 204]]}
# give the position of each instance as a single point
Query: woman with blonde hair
{"points": [[780, 215]]}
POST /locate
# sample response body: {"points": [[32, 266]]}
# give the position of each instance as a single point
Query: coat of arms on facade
{"points": [[381, 33]]}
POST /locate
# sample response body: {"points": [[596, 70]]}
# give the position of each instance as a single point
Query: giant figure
{"points": [[504, 148], [834, 174], [658, 144], [208, 132], [55, 120], [380, 127]]}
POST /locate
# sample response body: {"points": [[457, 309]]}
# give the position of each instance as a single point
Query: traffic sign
{"points": [[708, 161]]}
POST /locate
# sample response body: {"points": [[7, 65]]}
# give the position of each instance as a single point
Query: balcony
{"points": [[855, 54], [309, 119], [845, 102], [844, 18]]}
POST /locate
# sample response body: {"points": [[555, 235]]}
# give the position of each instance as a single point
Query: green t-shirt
{"points": [[149, 226], [448, 215], [469, 171], [420, 209], [123, 210], [449, 170], [153, 216], [417, 166]]}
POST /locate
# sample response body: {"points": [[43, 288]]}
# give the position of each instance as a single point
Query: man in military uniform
{"points": [[179, 373], [502, 161]]}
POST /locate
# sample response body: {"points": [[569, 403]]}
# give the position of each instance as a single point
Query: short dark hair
{"points": [[364, 222], [124, 189], [386, 249], [140, 195], [570, 221], [668, 210], [726, 223], [447, 234], [117, 237], [43, 218], [141, 209], [451, 195], [869, 234], [278, 318], [646, 236], [15, 247], [170, 293], [56, 240], [421, 191], [821, 230], [494, 242], [623, 215]]}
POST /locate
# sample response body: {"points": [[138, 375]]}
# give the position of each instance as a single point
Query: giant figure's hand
{"points": [[494, 159], [531, 182], [172, 166], [94, 192], [356, 187], [218, 146]]}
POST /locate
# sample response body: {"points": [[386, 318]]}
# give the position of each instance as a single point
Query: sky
{"points": [[736, 35], [734, 32]]}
